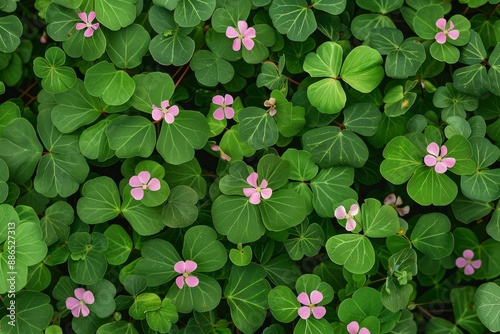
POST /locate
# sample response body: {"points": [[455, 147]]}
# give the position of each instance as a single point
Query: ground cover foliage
{"points": [[249, 166]]}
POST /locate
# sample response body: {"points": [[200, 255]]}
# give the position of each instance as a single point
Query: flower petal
{"points": [[266, 193], [399, 201], [476, 264], [134, 181], [79, 292], [340, 212], [440, 167], [252, 179], [192, 281], [144, 177], [157, 114], [449, 162], [137, 193], [89, 32], [444, 150], [95, 26], [249, 191], [468, 254], [218, 99], [231, 33], [237, 44], [263, 184], [249, 33], [353, 327], [318, 312], [460, 262], [72, 303], [451, 25], [85, 310], [169, 118], [430, 160], [468, 270], [316, 297], [76, 311], [453, 34], [215, 148], [224, 156], [80, 26], [364, 330], [191, 266], [304, 312], [272, 112], [255, 198], [179, 281], [88, 297], [248, 43], [440, 37], [350, 225], [390, 199], [91, 16], [165, 104], [83, 17], [173, 110], [228, 99], [229, 112], [441, 23], [433, 149], [303, 298], [242, 26], [403, 211], [354, 209], [219, 114], [154, 184], [180, 267]]}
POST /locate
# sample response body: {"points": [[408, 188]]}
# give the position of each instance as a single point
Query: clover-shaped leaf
{"points": [[157, 262], [293, 18], [33, 313], [432, 236], [257, 127], [181, 209], [100, 201], [127, 46], [120, 245], [144, 220], [10, 31], [354, 251], [201, 245], [487, 303], [115, 14], [56, 78]]}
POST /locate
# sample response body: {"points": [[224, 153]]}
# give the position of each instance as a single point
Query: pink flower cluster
{"points": [[353, 328], [87, 23], [395, 202], [143, 182], [185, 268], [450, 32], [257, 191], [437, 159], [242, 35], [310, 303], [79, 304], [166, 112], [341, 213], [467, 263], [225, 108]]}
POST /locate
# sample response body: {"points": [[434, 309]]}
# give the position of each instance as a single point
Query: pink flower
{"points": [[310, 305], [271, 104], [185, 268], [223, 155], [435, 159], [441, 36], [79, 304], [166, 112], [353, 328], [224, 109], [467, 262], [395, 202], [141, 182], [340, 213], [244, 34], [257, 191], [87, 23]]}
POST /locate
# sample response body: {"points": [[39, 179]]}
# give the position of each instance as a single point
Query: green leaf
{"points": [[354, 251], [151, 88], [362, 118], [93, 141], [362, 70], [293, 18], [157, 262], [176, 49], [56, 77], [114, 87], [365, 302], [127, 46], [472, 79], [327, 95], [302, 167], [257, 127], [143, 303], [241, 256], [211, 70], [56, 221], [187, 174], [405, 60], [237, 218], [331, 146], [20, 149], [162, 319], [100, 201], [398, 297], [230, 14], [432, 235], [274, 169], [304, 239], [10, 31], [104, 293], [131, 136], [312, 325], [144, 220], [232, 144], [379, 221], [88, 270], [9, 111], [380, 6], [362, 25], [120, 245], [33, 313], [487, 302], [201, 245], [283, 210], [332, 8], [202, 298], [181, 210], [177, 141], [283, 304], [461, 299], [246, 293], [115, 14], [425, 21], [428, 187], [189, 13]]}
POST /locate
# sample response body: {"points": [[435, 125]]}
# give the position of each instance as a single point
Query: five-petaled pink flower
{"points": [[223, 155], [467, 262], [353, 328], [437, 160], [166, 111], [340, 213], [185, 268], [244, 35], [142, 182], [224, 110], [271, 104], [395, 202], [257, 191], [87, 23], [79, 304], [441, 36], [310, 305]]}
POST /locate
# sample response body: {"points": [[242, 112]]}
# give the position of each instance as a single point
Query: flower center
{"points": [[311, 306], [144, 186], [164, 110], [89, 24], [185, 275], [439, 159], [348, 216], [82, 302], [258, 189]]}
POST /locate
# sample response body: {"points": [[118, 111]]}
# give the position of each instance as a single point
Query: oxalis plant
{"points": [[249, 166]]}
